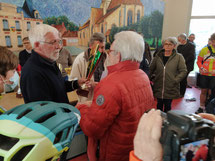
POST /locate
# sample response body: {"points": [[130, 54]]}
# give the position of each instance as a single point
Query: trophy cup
{"points": [[94, 59]]}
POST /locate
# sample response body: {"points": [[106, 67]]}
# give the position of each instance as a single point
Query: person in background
{"points": [[206, 64], [119, 101], [8, 65], [79, 67], [167, 69], [65, 61], [149, 133], [187, 49], [191, 38], [147, 57], [25, 54], [41, 79]]}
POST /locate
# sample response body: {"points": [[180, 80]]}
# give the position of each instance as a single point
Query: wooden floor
{"points": [[178, 104]]}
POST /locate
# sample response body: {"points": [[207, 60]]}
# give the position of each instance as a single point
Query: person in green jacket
{"points": [[167, 70]]}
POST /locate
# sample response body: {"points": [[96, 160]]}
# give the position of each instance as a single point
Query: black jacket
{"points": [[188, 52], [41, 80], [23, 57]]}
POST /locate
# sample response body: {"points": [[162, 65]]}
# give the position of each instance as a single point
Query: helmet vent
{"points": [[1, 158], [6, 143], [24, 113], [66, 110], [21, 154], [68, 132], [46, 117], [58, 137], [43, 104]]}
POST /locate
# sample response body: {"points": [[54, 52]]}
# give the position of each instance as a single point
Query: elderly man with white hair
{"points": [[41, 79], [119, 101]]}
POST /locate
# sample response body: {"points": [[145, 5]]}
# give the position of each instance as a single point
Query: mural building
{"points": [[118, 13], [78, 20], [15, 23]]}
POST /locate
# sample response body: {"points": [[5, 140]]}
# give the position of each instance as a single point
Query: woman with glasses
{"points": [[167, 69]]}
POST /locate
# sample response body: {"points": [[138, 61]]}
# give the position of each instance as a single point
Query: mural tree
{"points": [[156, 25], [150, 26], [59, 20]]}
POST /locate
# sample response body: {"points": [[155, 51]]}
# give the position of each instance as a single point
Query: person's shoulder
{"points": [[204, 49], [191, 44], [22, 52], [80, 57]]}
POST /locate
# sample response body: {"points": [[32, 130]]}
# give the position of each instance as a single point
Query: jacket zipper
{"points": [[163, 81]]}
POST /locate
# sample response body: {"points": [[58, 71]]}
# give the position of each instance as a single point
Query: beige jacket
{"points": [[79, 70]]}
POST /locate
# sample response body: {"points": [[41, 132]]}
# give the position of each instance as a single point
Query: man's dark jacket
{"points": [[188, 52], [41, 80], [23, 57]]}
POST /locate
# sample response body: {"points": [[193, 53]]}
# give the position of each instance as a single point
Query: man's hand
{"points": [[207, 116], [81, 81], [147, 144]]}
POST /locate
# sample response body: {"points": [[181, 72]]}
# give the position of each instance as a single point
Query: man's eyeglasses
{"points": [[55, 42], [168, 44], [25, 43]]}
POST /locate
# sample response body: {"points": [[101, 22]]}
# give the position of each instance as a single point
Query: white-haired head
{"points": [[130, 45], [37, 33]]}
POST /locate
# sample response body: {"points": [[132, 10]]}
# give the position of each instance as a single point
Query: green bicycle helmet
{"points": [[37, 131]]}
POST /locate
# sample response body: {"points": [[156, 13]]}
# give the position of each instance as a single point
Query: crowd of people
{"points": [[114, 100]]}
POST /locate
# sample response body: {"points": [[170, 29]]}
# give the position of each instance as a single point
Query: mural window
{"points": [[37, 23], [129, 19], [80, 35], [5, 24], [102, 30], [138, 15], [8, 41], [28, 26], [17, 25], [119, 17], [19, 38], [37, 15], [83, 34]]}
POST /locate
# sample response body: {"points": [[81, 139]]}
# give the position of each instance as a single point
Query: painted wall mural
{"points": [[78, 20]]}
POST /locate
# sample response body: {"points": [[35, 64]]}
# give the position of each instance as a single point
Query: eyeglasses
{"points": [[55, 42], [25, 43], [168, 44]]}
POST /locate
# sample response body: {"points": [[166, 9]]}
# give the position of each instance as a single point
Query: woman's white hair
{"points": [[130, 44], [173, 40], [37, 33]]}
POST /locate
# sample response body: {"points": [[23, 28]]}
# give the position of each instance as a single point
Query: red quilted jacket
{"points": [[119, 101]]}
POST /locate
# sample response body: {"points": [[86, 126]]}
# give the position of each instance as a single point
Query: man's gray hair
{"points": [[173, 40], [37, 33], [130, 44], [97, 36], [183, 36]]}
